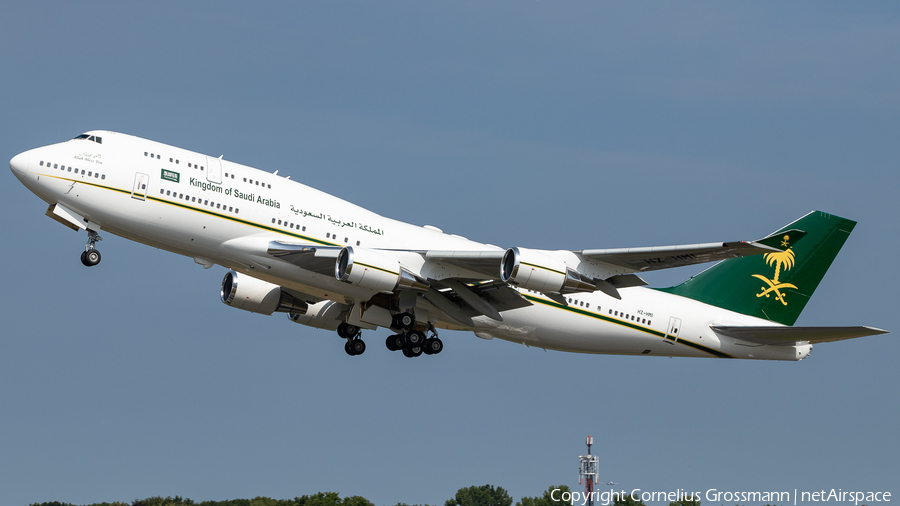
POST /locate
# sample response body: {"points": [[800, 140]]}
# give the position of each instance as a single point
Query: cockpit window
{"points": [[98, 140]]}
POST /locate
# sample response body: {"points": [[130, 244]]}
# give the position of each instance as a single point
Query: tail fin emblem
{"points": [[781, 260]]}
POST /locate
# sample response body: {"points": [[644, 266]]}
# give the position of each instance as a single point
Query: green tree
{"points": [[330, 499], [686, 502], [546, 499], [163, 501], [627, 501], [265, 501], [485, 495]]}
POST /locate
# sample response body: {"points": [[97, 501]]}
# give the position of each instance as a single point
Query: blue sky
{"points": [[562, 125]]}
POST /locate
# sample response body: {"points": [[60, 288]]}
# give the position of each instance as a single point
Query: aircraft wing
{"points": [[792, 335], [666, 257]]}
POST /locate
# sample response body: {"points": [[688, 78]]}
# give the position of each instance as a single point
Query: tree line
{"points": [[484, 495]]}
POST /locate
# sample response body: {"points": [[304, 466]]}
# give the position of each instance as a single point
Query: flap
{"points": [[486, 263], [792, 335]]}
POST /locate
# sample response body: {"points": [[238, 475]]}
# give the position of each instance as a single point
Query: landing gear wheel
{"points": [[412, 352], [355, 347], [433, 346], [403, 321], [90, 257], [415, 338], [394, 342], [347, 331]]}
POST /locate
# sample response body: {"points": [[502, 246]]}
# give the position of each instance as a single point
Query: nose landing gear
{"points": [[91, 257]]}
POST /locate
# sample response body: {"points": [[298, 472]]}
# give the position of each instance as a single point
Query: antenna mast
{"points": [[587, 472]]}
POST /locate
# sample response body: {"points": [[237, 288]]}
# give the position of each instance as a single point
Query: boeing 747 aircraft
{"points": [[332, 265]]}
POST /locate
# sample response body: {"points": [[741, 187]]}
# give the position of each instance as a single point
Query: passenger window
{"points": [[304, 229], [218, 206], [168, 192], [236, 210], [270, 187], [89, 173], [357, 243], [55, 165], [229, 209], [170, 160], [42, 163]]}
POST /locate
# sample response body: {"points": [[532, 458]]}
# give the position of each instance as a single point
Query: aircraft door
{"points": [[214, 170], [671, 336], [141, 181]]}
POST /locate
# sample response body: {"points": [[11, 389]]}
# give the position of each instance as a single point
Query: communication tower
{"points": [[587, 472]]}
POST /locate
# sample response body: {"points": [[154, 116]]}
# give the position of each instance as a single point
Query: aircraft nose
{"points": [[19, 164]]}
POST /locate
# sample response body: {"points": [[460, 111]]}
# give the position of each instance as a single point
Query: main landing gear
{"points": [[410, 341], [91, 257], [354, 345]]}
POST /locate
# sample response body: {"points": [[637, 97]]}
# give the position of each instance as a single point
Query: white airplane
{"points": [[333, 265]]}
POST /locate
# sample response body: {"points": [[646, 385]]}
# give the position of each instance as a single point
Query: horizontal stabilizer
{"points": [[792, 335]]}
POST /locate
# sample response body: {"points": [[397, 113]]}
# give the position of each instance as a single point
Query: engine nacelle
{"points": [[370, 269], [327, 314], [258, 296], [540, 272]]}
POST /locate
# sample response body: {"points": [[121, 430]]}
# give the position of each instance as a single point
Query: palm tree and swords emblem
{"points": [[782, 260]]}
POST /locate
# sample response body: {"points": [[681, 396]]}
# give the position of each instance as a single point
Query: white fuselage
{"points": [[219, 212]]}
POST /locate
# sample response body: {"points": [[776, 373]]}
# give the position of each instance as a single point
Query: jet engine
{"points": [[258, 296], [534, 270], [370, 269]]}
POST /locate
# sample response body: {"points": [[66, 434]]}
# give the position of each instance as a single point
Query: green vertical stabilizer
{"points": [[775, 286]]}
